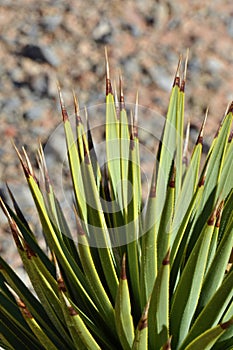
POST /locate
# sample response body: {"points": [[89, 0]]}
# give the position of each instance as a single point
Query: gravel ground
{"points": [[45, 41]]}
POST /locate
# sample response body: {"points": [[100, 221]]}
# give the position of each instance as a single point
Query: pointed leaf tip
{"points": [[123, 268], [72, 311], [24, 309], [108, 81], [62, 104], [76, 109], [166, 260], [143, 323], [230, 109], [227, 324], [230, 137], [200, 136], [167, 346], [177, 75]]}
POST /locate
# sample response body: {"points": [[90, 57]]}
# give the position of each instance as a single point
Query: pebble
{"points": [[41, 54], [34, 113], [161, 77], [50, 23], [102, 33]]}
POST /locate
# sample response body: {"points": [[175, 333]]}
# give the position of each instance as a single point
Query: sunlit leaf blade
{"points": [[123, 316], [74, 163], [81, 336], [11, 314], [185, 299], [207, 339], [215, 160], [13, 338], [148, 270], [35, 327], [213, 311], [226, 179], [133, 223], [141, 334], [124, 150], [217, 268], [98, 292], [158, 314], [168, 146], [164, 232], [112, 136], [98, 230], [189, 186], [179, 138], [23, 292]]}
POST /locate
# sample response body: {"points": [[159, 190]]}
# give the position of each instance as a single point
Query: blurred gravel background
{"points": [[45, 41]]}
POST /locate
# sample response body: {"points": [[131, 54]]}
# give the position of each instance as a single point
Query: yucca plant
{"points": [[152, 274]]}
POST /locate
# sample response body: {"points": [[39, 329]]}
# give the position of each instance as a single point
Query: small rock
{"points": [[133, 29], [41, 54], [102, 33], [39, 84], [160, 76], [34, 113], [50, 23]]}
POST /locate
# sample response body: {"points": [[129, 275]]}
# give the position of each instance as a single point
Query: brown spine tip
{"points": [[24, 166], [30, 252], [230, 137], [176, 82], [86, 153], [108, 81], [77, 110], [15, 234], [227, 324], [211, 220], [173, 176], [166, 260], [182, 86], [108, 87], [200, 136], [202, 181], [230, 109], [123, 268], [177, 75], [72, 311], [80, 230], [132, 145], [167, 346], [62, 104], [213, 216], [153, 191], [219, 214], [135, 131], [24, 309], [61, 284], [143, 323]]}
